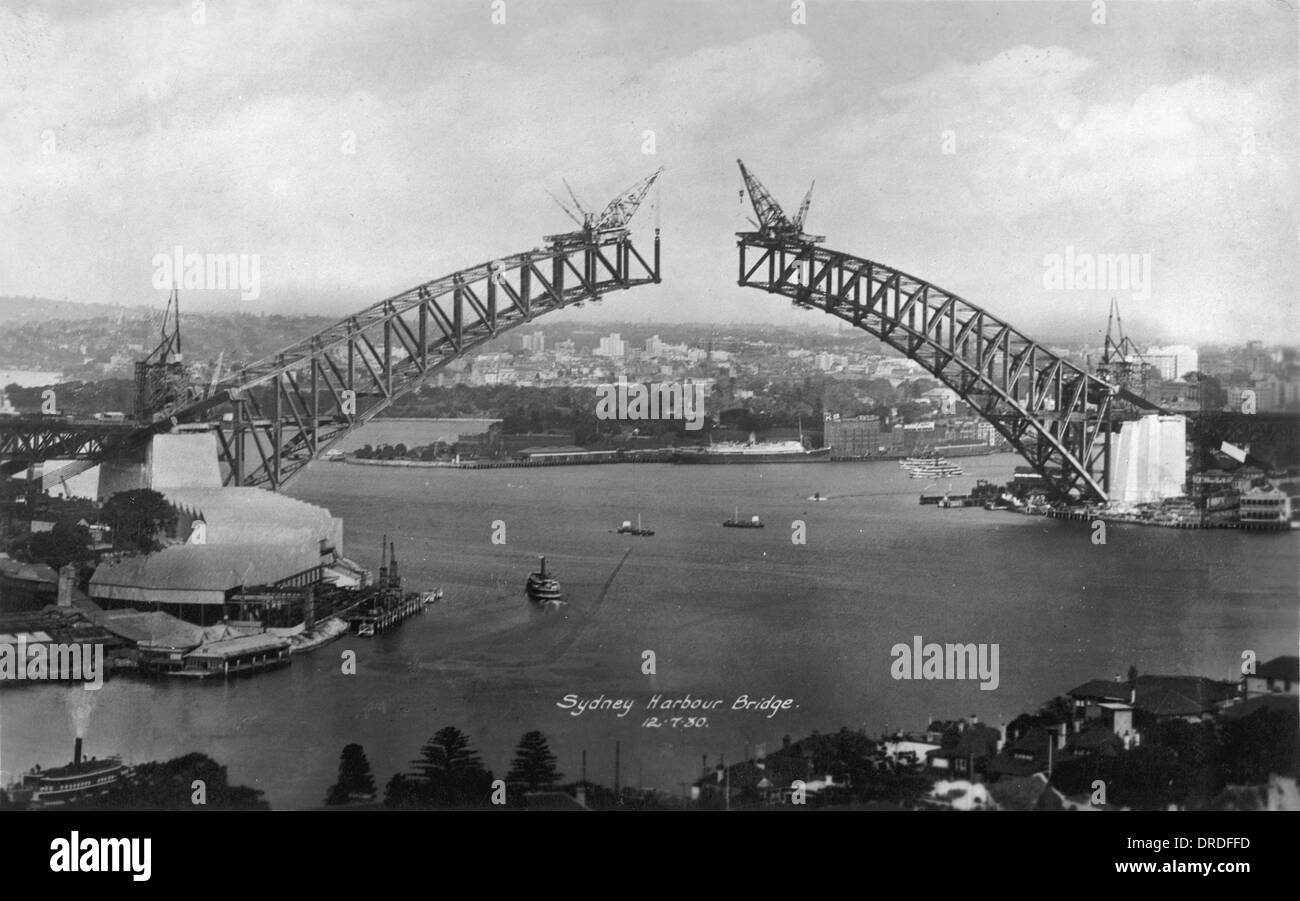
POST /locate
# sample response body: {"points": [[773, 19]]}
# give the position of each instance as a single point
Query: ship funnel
{"points": [[76, 752]]}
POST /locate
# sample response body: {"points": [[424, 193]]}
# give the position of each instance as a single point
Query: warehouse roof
{"points": [[204, 567]]}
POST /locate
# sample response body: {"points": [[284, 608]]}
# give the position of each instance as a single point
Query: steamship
{"points": [[80, 780], [753, 451], [541, 587]]}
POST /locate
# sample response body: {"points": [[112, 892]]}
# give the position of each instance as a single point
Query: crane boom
{"points": [[772, 220]]}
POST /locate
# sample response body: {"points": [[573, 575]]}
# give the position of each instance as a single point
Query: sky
{"points": [[359, 149]]}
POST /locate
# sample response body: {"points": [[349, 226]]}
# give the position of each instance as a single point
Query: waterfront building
{"points": [[852, 437], [245, 653], [1268, 507]]}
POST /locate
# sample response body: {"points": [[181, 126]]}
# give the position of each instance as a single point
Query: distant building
{"points": [[613, 346], [1281, 675], [1173, 361], [858, 436], [945, 399]]}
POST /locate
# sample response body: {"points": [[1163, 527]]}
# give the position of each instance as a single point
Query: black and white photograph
{"points": [[674, 406]]}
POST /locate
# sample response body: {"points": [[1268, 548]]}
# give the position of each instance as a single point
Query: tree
{"points": [[355, 779], [137, 517], [534, 763], [65, 543], [449, 773], [170, 786]]}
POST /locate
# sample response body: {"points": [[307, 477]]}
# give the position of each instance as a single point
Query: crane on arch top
{"points": [[1057, 415], [611, 223]]}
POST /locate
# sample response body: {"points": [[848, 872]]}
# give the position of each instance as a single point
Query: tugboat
{"points": [[541, 587], [737, 523], [626, 528]]}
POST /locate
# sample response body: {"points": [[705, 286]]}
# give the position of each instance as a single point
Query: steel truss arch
{"points": [[1059, 417], [275, 416]]}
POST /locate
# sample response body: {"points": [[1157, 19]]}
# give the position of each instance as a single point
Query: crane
{"points": [[772, 222], [609, 222]]}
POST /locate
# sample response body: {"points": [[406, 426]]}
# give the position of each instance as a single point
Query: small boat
{"points": [[737, 523], [626, 528], [817, 496], [542, 588]]}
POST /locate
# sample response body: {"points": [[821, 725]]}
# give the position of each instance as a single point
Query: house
{"points": [[1033, 752], [1281, 674], [1189, 698], [976, 744]]}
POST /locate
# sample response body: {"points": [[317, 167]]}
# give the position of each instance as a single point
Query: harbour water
{"points": [[726, 612]]}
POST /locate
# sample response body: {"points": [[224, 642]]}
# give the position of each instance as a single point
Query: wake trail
{"points": [[562, 647]]}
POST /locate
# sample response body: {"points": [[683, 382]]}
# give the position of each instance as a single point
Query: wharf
{"points": [[388, 609]]}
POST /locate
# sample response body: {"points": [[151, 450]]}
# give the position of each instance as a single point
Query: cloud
{"points": [[238, 136]]}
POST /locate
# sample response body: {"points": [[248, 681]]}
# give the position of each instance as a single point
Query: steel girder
{"points": [[275, 416], [1056, 415], [31, 439]]}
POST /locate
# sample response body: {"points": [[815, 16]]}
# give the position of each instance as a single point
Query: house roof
{"points": [[1101, 689], [978, 741], [28, 572], [1161, 695], [247, 644], [1181, 695], [1097, 738], [1274, 702], [151, 630], [1005, 765], [208, 567], [1287, 668]]}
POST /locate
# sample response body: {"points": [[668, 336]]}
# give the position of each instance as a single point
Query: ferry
{"points": [[543, 588], [78, 781], [934, 468]]}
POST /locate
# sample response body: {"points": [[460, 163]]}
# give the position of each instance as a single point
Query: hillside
{"points": [[17, 310]]}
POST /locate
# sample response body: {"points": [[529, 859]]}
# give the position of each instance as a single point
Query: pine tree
{"points": [[449, 772], [355, 778], [534, 763]]}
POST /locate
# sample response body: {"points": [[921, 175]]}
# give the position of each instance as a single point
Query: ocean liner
{"points": [[753, 451]]}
